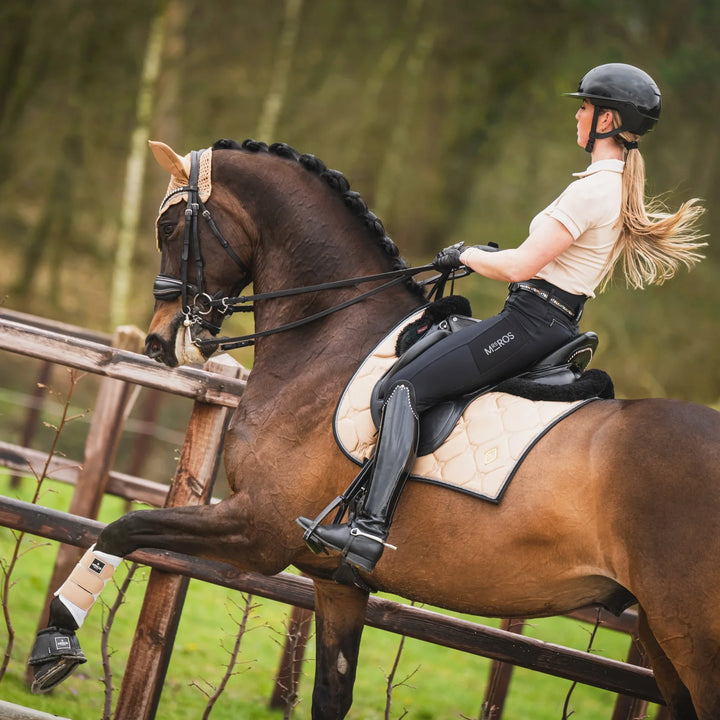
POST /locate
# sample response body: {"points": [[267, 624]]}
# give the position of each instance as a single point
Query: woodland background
{"points": [[447, 115]]}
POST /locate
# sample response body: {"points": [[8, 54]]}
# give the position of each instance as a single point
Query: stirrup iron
{"points": [[308, 538]]}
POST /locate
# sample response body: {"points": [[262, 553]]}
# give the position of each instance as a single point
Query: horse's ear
{"points": [[170, 160]]}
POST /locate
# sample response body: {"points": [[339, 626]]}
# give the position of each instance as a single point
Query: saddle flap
{"points": [[437, 423]]}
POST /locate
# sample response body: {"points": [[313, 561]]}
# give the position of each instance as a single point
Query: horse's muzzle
{"points": [[161, 350], [181, 346]]}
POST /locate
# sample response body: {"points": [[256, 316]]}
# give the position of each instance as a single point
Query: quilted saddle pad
{"points": [[483, 451]]}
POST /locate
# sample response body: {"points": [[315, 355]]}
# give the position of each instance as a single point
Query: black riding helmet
{"points": [[625, 88]]}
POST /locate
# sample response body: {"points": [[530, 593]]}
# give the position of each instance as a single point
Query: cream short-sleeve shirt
{"points": [[590, 210]]}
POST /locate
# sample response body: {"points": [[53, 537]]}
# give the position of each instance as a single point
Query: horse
{"points": [[614, 505]]}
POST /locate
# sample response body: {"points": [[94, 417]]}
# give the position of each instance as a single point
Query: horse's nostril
{"points": [[153, 347]]}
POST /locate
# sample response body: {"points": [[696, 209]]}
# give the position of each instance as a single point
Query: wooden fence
{"points": [[10, 711], [216, 390]]}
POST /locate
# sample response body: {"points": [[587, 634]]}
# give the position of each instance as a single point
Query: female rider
{"points": [[572, 248]]}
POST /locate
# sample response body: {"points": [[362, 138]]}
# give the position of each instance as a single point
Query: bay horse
{"points": [[616, 504]]}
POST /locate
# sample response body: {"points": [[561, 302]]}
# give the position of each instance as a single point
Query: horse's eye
{"points": [[167, 229]]}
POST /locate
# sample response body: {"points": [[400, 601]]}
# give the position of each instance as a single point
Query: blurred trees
{"points": [[135, 173], [446, 116]]}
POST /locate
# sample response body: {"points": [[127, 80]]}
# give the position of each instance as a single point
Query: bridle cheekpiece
{"points": [[197, 303]]}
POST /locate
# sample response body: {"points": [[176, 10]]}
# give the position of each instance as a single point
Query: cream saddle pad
{"points": [[483, 451]]}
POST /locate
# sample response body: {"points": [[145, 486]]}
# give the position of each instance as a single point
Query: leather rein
{"points": [[196, 312]]}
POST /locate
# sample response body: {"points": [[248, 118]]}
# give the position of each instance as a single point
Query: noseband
{"points": [[167, 287]]}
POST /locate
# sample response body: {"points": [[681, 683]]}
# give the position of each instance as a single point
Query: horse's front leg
{"points": [[339, 622], [220, 532]]}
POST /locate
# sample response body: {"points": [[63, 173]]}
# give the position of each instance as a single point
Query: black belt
{"points": [[571, 305]]}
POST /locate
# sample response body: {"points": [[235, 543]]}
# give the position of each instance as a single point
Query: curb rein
{"points": [[167, 287]]}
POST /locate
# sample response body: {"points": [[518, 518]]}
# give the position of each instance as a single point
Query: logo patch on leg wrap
{"points": [[97, 566], [101, 564]]}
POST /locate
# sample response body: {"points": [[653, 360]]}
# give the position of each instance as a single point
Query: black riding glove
{"points": [[448, 259]]}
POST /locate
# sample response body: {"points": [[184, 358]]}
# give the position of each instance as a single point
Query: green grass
{"points": [[441, 683]]}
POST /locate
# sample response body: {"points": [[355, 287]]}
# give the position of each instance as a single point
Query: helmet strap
{"points": [[594, 135]]}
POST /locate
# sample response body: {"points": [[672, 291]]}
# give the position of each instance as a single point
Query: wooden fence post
{"points": [[113, 404], [165, 593], [500, 676], [628, 708]]}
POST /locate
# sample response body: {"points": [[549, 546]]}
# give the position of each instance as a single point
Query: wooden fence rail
{"points": [[23, 460], [120, 364], [459, 634], [10, 711]]}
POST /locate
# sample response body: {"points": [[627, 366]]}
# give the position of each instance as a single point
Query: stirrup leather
{"points": [[341, 503]]}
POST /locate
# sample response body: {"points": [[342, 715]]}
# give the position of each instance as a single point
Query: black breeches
{"points": [[486, 352]]}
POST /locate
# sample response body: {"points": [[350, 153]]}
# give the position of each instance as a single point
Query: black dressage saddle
{"points": [[560, 377]]}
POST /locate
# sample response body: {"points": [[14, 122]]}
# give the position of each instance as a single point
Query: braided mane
{"points": [[340, 184]]}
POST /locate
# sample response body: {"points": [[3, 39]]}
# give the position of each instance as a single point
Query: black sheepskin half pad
{"points": [[434, 313], [592, 383]]}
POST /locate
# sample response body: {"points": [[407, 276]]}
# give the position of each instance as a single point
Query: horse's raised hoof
{"points": [[54, 657]]}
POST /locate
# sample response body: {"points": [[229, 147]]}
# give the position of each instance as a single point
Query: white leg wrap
{"points": [[85, 583]]}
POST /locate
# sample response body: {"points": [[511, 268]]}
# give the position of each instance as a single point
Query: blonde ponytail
{"points": [[652, 243]]}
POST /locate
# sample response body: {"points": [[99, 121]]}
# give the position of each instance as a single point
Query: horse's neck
{"points": [[341, 339], [309, 238]]}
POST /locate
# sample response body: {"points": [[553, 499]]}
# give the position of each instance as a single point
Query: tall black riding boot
{"points": [[362, 540]]}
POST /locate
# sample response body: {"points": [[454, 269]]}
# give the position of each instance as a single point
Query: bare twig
{"points": [[596, 627], [285, 694], [104, 640], [247, 608], [8, 566], [390, 684]]}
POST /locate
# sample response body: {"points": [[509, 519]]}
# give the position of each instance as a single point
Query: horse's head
{"points": [[282, 220], [200, 264]]}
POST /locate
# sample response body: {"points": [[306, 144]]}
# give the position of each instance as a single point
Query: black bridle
{"points": [[167, 287]]}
